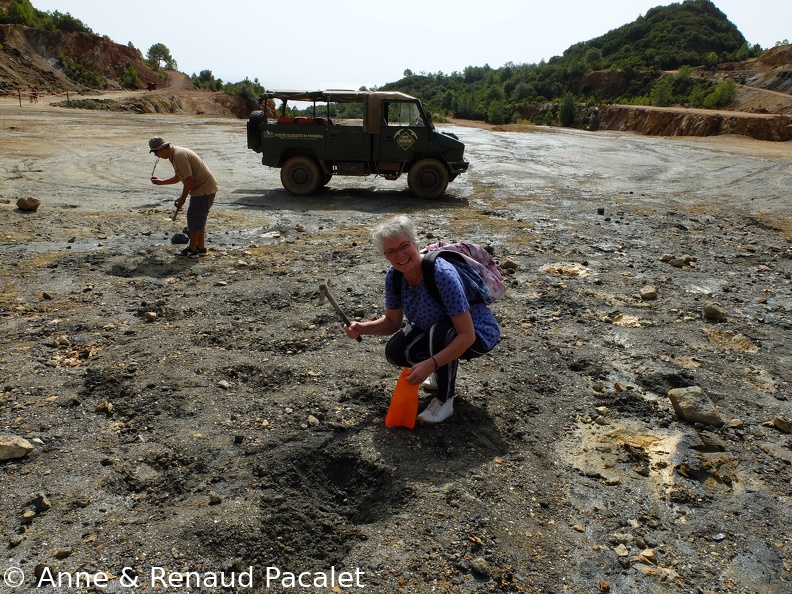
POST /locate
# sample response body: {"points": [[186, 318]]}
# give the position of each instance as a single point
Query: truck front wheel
{"points": [[428, 178], [301, 176]]}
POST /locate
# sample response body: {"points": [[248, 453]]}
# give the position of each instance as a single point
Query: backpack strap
{"points": [[396, 281], [428, 269]]}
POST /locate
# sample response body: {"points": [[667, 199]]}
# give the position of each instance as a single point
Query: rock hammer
{"points": [[324, 293]]}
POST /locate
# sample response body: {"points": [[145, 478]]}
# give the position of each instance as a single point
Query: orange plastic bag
{"points": [[404, 404]]}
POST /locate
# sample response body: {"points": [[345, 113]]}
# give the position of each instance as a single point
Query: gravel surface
{"points": [[206, 419]]}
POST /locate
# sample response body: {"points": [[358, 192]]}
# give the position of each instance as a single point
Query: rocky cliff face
{"points": [[34, 58], [658, 121]]}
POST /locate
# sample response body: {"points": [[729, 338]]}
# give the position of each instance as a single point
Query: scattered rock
{"points": [[180, 239], [150, 316], [509, 264], [40, 503], [480, 566], [14, 447], [648, 293], [692, 405], [713, 311], [781, 424], [28, 203], [105, 407]]}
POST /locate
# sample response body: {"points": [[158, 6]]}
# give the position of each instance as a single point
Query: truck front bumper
{"points": [[458, 167]]}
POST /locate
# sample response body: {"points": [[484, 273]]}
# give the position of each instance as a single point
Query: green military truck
{"points": [[396, 136]]}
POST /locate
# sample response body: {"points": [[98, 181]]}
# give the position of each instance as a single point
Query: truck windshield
{"points": [[404, 113]]}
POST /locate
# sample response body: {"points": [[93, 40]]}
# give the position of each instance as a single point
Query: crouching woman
{"points": [[437, 334]]}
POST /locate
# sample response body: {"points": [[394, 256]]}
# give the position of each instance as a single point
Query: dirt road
{"points": [[209, 417]]}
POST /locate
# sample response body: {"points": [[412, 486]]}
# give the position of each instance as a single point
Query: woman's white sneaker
{"points": [[437, 411], [430, 383]]}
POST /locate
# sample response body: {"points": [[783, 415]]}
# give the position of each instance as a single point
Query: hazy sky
{"points": [[313, 44]]}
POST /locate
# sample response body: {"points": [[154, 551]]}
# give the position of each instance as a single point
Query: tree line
{"points": [[21, 12], [657, 60]]}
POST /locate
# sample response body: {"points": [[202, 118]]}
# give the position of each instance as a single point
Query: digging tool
{"points": [[176, 213], [155, 166], [324, 293]]}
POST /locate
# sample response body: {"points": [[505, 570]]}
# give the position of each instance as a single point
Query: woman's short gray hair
{"points": [[398, 226]]}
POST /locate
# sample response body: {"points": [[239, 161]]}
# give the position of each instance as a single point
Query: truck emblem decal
{"points": [[405, 138]]}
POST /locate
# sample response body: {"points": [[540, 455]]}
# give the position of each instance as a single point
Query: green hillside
{"points": [[623, 66]]}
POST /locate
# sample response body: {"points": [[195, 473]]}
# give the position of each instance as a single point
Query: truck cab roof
{"points": [[336, 95]]}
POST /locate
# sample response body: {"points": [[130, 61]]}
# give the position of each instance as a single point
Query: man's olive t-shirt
{"points": [[186, 163]]}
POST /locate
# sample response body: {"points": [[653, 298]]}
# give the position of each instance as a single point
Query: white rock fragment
{"points": [[648, 293], [14, 447], [692, 405]]}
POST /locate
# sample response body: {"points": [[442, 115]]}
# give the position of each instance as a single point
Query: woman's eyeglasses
{"points": [[402, 248]]}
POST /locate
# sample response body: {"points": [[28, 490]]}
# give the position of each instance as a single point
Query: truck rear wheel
{"points": [[301, 176], [428, 178]]}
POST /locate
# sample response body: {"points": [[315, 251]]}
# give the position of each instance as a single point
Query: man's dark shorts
{"points": [[198, 211]]}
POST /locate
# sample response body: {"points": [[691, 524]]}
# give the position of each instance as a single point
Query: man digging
{"points": [[198, 182]]}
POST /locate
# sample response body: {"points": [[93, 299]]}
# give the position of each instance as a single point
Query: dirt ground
{"points": [[207, 419]]}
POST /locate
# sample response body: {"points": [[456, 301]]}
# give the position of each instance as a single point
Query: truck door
{"points": [[404, 131]]}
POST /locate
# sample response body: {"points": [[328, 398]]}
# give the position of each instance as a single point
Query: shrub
{"points": [[79, 73], [496, 112], [130, 79], [663, 92], [567, 110], [21, 12], [723, 94]]}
